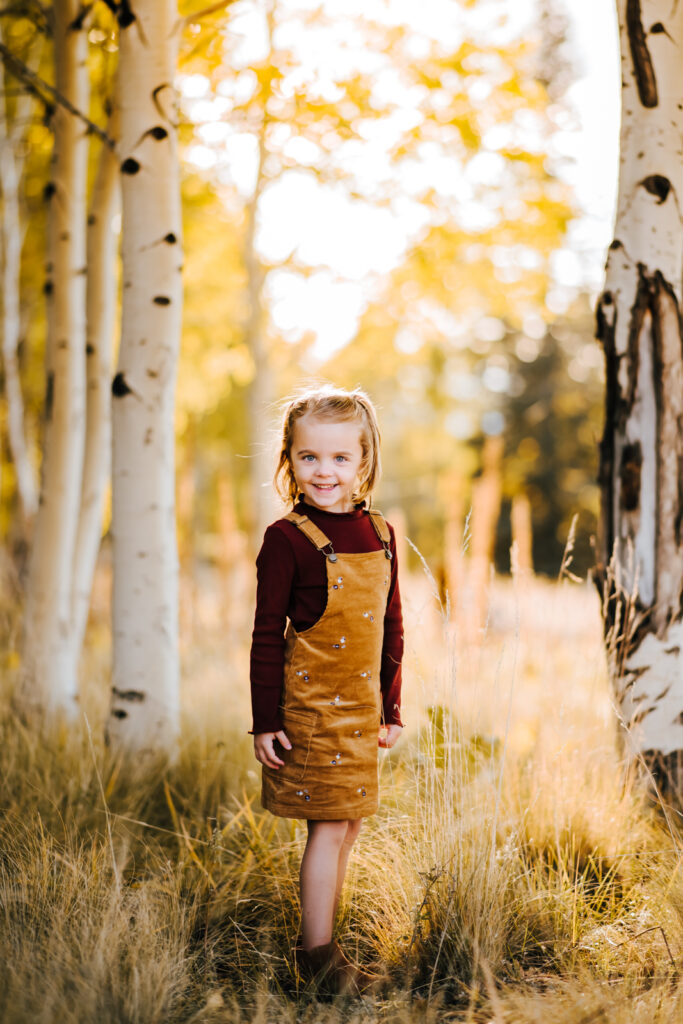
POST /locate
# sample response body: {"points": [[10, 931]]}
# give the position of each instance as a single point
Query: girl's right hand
{"points": [[265, 751]]}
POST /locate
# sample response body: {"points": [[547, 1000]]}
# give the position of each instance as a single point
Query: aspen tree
{"points": [[100, 316], [145, 706], [11, 166], [260, 391], [49, 655], [522, 533], [641, 452]]}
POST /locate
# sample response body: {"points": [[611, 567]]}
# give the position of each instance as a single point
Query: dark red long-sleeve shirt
{"points": [[292, 584]]}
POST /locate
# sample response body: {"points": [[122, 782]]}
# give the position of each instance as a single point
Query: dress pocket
{"points": [[345, 737], [299, 727]]}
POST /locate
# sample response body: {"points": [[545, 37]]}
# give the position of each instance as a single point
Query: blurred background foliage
{"points": [[443, 144]]}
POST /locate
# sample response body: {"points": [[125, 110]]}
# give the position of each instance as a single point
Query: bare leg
{"points": [[353, 828], [318, 880]]}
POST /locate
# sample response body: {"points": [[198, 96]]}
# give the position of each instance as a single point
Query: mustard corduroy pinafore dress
{"points": [[331, 702]]}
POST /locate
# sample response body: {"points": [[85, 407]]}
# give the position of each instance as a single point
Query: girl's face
{"points": [[326, 457]]}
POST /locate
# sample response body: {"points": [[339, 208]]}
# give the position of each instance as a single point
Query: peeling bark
{"points": [[629, 473], [145, 696], [641, 452], [668, 382], [642, 62]]}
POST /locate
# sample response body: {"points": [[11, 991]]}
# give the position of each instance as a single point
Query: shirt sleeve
{"points": [[392, 647], [275, 569]]}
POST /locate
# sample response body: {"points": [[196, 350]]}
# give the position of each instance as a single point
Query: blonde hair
{"points": [[330, 403]]}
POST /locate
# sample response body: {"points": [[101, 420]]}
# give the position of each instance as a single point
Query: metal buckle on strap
{"points": [[329, 555], [387, 552]]}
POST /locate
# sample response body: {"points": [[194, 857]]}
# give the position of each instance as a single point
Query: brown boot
{"points": [[329, 968]]}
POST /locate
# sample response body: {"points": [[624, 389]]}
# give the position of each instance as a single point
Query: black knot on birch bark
{"points": [[89, 349], [130, 166], [119, 713], [158, 133], [657, 185], [48, 288], [657, 28], [161, 300], [49, 191], [616, 244], [119, 388], [170, 238], [49, 395], [92, 219], [132, 695]]}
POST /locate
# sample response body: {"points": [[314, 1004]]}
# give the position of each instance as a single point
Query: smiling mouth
{"points": [[324, 487]]}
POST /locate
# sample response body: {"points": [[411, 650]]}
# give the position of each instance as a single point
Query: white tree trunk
{"points": [[487, 491], [260, 394], [100, 317], [260, 390], [145, 707], [12, 234], [48, 641], [641, 453]]}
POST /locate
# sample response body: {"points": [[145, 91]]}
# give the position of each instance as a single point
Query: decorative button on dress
{"points": [[331, 707]]}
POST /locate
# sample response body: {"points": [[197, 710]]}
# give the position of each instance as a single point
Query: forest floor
{"points": [[511, 875]]}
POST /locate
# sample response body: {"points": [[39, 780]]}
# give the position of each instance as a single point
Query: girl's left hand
{"points": [[388, 735]]}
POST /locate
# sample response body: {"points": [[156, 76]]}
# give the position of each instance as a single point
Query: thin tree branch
{"points": [[36, 84], [23, 105]]}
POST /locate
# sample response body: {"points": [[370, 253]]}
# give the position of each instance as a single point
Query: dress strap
{"points": [[381, 529], [315, 535]]}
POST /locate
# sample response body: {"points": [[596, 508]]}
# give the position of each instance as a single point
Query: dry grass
{"points": [[510, 875]]}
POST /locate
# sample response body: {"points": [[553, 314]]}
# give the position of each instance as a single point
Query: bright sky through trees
{"points": [[355, 242], [594, 142]]}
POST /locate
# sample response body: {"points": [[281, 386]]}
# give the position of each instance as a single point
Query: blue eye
{"points": [[341, 458], [308, 458]]}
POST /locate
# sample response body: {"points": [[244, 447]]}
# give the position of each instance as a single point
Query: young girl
{"points": [[326, 652]]}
